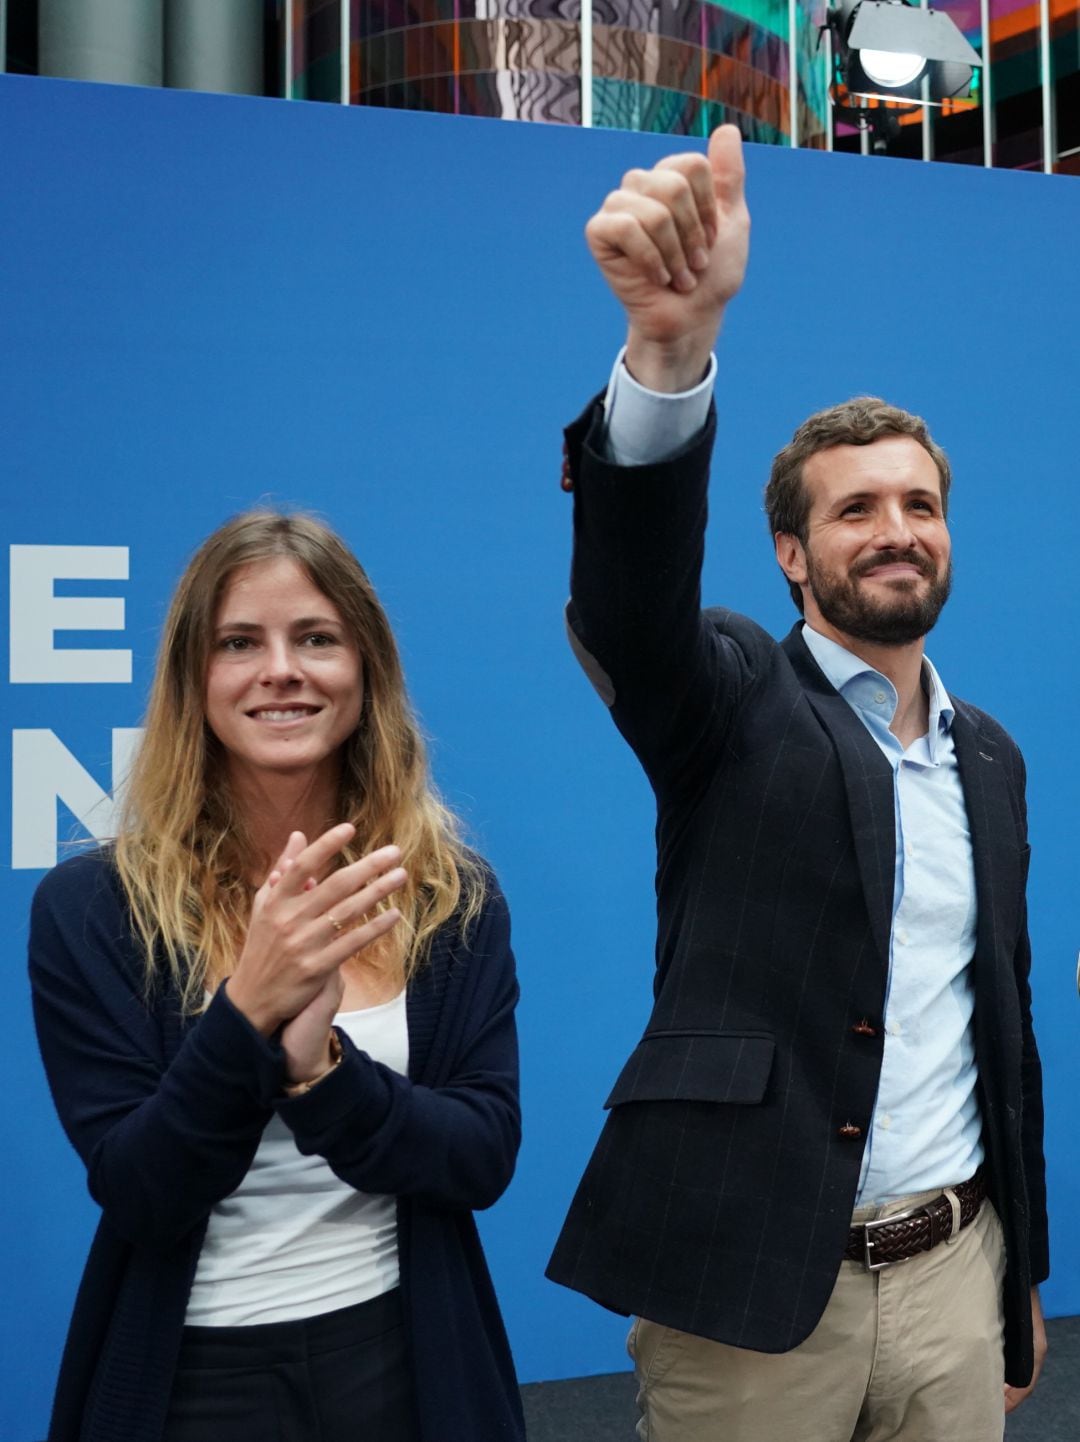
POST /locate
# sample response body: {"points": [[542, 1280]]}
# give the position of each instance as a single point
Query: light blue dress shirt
{"points": [[926, 1132], [645, 426]]}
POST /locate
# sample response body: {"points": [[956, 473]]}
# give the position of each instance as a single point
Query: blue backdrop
{"points": [[207, 302]]}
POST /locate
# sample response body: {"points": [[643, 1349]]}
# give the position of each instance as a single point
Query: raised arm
{"points": [[672, 243]]}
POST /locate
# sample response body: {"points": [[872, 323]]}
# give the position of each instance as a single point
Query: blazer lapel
{"points": [[992, 822], [868, 780]]}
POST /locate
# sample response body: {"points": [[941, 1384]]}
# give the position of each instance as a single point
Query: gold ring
{"points": [[337, 925]]}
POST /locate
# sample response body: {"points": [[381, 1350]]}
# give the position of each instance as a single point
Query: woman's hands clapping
{"points": [[304, 924]]}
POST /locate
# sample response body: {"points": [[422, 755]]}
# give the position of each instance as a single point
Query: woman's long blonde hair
{"points": [[182, 850]]}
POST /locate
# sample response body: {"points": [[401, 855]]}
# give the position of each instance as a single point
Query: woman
{"points": [[277, 1021]]}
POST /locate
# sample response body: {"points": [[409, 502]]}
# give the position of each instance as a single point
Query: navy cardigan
{"points": [[167, 1111]]}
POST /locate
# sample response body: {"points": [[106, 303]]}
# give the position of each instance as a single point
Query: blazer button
{"points": [[849, 1131], [863, 1028]]}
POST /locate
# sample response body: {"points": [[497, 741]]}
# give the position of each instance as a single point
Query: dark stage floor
{"points": [[601, 1409]]}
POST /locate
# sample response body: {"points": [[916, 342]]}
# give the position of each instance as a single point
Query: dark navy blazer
{"points": [[720, 1193], [167, 1112]]}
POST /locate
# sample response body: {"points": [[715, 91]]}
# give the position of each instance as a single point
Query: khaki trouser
{"points": [[912, 1353]]}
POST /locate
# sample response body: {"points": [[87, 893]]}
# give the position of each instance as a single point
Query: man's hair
{"points": [[858, 422]]}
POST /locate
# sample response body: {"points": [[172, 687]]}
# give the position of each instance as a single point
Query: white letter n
{"points": [[43, 772]]}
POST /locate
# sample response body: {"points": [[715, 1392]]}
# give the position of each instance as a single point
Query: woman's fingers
{"points": [[293, 847], [341, 886], [358, 937], [344, 914], [304, 928], [297, 867], [309, 911], [322, 922]]}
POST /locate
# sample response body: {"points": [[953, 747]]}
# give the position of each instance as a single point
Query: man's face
{"points": [[875, 564]]}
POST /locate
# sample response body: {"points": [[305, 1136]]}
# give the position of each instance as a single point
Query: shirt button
{"points": [[895, 1029], [901, 937], [879, 697], [849, 1131], [886, 1121]]}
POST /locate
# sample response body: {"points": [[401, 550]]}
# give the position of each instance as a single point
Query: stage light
{"points": [[890, 50], [891, 68]]}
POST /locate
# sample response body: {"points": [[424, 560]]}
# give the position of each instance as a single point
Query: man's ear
{"points": [[791, 557]]}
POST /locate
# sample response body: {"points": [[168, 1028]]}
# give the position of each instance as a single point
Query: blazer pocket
{"points": [[696, 1066]]}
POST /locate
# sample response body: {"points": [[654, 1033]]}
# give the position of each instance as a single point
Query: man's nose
{"points": [[894, 531]]}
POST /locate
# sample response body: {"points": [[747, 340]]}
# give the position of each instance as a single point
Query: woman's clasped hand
{"points": [[307, 920]]}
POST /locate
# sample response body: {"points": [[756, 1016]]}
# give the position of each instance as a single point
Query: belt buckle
{"points": [[876, 1226]]}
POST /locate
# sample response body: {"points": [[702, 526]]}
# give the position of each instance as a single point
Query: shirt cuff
{"points": [[643, 426]]}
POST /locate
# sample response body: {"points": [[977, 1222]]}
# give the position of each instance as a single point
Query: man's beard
{"points": [[905, 617]]}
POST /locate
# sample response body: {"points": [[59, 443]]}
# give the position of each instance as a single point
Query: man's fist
{"points": [[672, 243]]}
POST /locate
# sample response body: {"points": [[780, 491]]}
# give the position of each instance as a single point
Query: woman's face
{"points": [[285, 682]]}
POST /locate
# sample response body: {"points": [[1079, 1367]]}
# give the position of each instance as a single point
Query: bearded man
{"points": [[820, 1188]]}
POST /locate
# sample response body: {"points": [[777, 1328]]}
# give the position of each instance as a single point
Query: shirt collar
{"points": [[842, 667]]}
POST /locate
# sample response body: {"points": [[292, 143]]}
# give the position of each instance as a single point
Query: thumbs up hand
{"points": [[672, 242]]}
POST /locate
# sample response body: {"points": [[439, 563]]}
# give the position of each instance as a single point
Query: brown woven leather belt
{"points": [[906, 1234]]}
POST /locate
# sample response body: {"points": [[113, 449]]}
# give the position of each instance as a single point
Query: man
{"points": [[842, 1030]]}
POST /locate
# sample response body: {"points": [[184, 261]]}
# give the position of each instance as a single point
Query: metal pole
{"points": [[586, 64], [214, 45], [986, 93], [287, 81], [793, 69], [829, 126], [1045, 65], [344, 52], [927, 133], [118, 41]]}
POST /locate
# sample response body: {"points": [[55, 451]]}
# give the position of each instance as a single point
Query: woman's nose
{"points": [[279, 663]]}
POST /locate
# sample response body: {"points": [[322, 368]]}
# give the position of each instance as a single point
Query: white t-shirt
{"points": [[293, 1240]]}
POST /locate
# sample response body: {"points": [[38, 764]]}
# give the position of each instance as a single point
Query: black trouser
{"points": [[340, 1377]]}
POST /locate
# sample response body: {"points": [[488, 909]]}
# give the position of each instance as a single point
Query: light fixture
{"points": [[892, 50], [891, 68]]}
